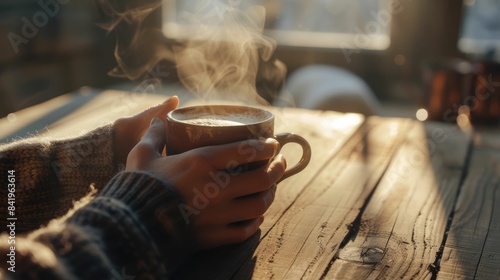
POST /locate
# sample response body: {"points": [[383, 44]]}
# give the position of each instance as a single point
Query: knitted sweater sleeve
{"points": [[51, 175], [131, 230]]}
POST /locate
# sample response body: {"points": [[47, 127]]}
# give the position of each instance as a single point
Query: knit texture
{"points": [[52, 175], [131, 228]]}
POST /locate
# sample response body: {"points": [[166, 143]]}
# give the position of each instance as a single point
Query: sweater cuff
{"points": [[156, 206]]}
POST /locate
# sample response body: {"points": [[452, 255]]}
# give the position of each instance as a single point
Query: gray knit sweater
{"points": [[77, 216]]}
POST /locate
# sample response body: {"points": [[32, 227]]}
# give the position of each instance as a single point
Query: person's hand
{"points": [[223, 203], [127, 132]]}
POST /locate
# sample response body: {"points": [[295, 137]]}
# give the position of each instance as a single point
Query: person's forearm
{"points": [[131, 228], [51, 175]]}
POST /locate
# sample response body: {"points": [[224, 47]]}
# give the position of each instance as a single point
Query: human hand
{"points": [[223, 203], [127, 132]]}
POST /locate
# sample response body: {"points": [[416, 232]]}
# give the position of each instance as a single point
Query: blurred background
{"points": [[388, 57]]}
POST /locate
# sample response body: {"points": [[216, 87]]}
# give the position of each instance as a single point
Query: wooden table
{"points": [[382, 197]]}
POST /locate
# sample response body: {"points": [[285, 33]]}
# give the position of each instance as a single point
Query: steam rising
{"points": [[138, 47], [221, 59], [224, 57]]}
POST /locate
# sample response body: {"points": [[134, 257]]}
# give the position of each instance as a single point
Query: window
{"points": [[480, 35], [343, 24]]}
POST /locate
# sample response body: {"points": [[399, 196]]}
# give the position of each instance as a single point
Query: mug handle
{"points": [[285, 138]]}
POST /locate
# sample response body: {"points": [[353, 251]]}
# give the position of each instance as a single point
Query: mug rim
{"points": [[172, 119]]}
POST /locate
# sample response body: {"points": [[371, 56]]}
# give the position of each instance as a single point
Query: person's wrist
{"points": [[157, 208]]}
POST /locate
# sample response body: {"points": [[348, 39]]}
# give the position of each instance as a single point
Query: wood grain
{"points": [[381, 199], [403, 225], [472, 250], [306, 238], [76, 113]]}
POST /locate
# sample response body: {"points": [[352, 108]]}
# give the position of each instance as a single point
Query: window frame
{"points": [[418, 23]]}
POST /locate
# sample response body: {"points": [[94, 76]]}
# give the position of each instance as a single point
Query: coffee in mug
{"points": [[200, 126]]}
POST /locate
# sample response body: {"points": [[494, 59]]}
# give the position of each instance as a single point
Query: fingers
{"points": [[230, 234], [252, 206], [228, 156], [231, 186], [236, 213], [149, 147], [258, 180], [238, 209], [155, 135]]}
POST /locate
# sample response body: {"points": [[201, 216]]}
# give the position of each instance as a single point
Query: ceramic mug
{"points": [[200, 126]]}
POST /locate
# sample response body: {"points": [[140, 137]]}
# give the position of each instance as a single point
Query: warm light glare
{"points": [[11, 117], [393, 129], [422, 115], [345, 123], [463, 122]]}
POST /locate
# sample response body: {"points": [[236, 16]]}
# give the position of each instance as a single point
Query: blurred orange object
{"points": [[456, 87]]}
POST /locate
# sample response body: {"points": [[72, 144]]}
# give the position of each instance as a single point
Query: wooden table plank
{"points": [[76, 113], [402, 227], [306, 238], [327, 132], [472, 250], [373, 203], [35, 118]]}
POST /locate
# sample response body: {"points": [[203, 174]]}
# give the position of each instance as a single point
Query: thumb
{"points": [[161, 110], [155, 135], [167, 106], [149, 147]]}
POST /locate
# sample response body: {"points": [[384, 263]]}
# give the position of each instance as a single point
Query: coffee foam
{"points": [[221, 120]]}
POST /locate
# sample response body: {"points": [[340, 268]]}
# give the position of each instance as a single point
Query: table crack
{"points": [[435, 267]]}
